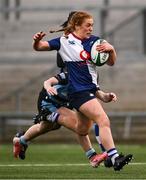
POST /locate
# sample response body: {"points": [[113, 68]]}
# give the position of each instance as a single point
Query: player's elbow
{"points": [[111, 61], [36, 48]]}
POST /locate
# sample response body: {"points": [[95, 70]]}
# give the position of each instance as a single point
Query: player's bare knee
{"points": [[82, 131], [84, 134]]}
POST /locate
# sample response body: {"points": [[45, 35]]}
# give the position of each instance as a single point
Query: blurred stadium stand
{"points": [[22, 70]]}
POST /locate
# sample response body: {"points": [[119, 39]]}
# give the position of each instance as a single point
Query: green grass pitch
{"points": [[67, 161]]}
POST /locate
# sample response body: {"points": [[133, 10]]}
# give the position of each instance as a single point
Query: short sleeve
{"points": [[54, 44], [62, 78]]}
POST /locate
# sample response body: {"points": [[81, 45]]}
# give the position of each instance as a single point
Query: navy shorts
{"points": [[79, 98]]}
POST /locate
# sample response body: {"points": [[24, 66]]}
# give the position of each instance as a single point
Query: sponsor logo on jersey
{"points": [[84, 55], [71, 42]]}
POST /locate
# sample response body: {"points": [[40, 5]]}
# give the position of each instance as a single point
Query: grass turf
{"points": [[62, 161]]}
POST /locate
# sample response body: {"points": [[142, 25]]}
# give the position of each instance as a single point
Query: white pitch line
{"points": [[13, 165], [50, 165]]}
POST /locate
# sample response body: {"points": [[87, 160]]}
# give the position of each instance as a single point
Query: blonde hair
{"points": [[75, 19]]}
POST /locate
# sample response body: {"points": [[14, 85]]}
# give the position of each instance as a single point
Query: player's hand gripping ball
{"points": [[98, 58]]}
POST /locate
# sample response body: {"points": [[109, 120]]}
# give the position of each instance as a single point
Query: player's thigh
{"points": [[93, 110], [74, 120], [67, 113]]}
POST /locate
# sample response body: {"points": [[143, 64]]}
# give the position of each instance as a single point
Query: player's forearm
{"points": [[50, 82], [100, 95], [40, 45], [112, 57]]}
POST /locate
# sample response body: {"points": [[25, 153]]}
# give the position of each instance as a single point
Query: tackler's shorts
{"points": [[46, 107]]}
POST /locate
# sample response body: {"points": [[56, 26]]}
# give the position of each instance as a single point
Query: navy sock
{"points": [[96, 130]]}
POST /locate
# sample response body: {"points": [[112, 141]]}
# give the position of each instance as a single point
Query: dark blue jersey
{"points": [[50, 102]]}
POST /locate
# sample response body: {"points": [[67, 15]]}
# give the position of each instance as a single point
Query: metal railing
{"points": [[19, 120], [20, 90]]}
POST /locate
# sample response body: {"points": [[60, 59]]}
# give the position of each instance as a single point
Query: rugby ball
{"points": [[98, 58]]}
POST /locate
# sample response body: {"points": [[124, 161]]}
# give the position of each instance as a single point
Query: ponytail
{"points": [[54, 31], [66, 28]]}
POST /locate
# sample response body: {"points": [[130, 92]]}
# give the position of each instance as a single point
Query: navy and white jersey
{"points": [[82, 74]]}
